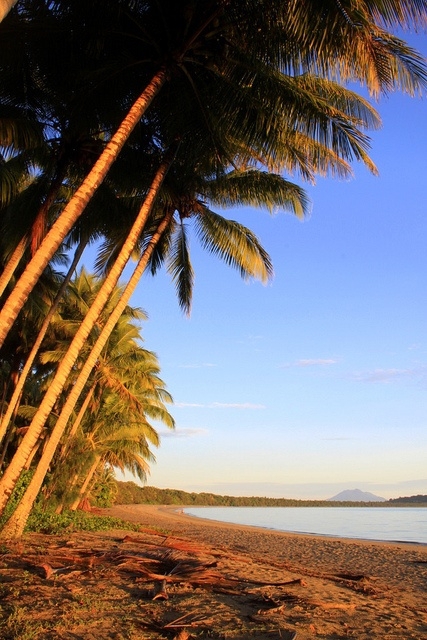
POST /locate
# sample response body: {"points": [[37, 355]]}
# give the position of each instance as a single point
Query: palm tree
{"points": [[129, 377], [347, 42], [233, 242], [299, 89], [15, 467], [124, 391]]}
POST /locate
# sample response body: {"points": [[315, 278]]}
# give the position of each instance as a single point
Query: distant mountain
{"points": [[355, 495]]}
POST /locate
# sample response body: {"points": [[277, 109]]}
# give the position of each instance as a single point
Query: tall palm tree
{"points": [[236, 244], [347, 41], [198, 151], [125, 390], [129, 377], [15, 467]]}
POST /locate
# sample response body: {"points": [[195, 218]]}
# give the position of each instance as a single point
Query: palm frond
{"points": [[179, 266], [235, 244]]}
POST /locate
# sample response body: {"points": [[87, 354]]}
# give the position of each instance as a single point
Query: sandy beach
{"points": [[182, 578]]}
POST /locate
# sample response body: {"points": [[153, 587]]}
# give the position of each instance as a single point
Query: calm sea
{"points": [[404, 524]]}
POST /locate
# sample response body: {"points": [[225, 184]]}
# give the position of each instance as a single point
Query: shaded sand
{"points": [[182, 578]]}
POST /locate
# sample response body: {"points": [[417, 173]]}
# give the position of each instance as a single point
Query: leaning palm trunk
{"points": [[12, 264], [86, 483], [38, 230], [5, 7], [34, 351], [12, 473], [16, 524], [77, 422], [74, 209]]}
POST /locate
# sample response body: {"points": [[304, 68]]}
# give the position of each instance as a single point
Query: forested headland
{"points": [[131, 493]]}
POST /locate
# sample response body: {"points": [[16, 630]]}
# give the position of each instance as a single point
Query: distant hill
{"points": [[355, 495], [130, 493], [418, 499]]}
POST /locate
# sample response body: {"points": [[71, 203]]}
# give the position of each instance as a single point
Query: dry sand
{"points": [[183, 577]]}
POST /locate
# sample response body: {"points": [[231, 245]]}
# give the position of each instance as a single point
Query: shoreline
{"points": [[180, 510], [181, 577], [385, 560], [176, 514]]}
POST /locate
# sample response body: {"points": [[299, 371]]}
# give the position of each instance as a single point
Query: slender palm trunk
{"points": [[5, 7], [12, 473], [85, 484], [38, 229], [74, 209], [77, 421], [12, 264], [16, 524], [34, 351]]}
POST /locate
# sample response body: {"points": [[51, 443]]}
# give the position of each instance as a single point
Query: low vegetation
{"points": [[131, 493]]}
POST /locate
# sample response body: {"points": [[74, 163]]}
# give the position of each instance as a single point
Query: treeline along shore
{"points": [[131, 493]]}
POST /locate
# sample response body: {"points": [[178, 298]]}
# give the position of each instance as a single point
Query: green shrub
{"points": [[71, 521]]}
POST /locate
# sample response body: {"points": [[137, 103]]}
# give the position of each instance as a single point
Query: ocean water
{"points": [[403, 524]]}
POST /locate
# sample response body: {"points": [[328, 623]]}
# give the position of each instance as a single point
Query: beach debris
{"points": [[160, 591], [188, 620], [183, 635]]}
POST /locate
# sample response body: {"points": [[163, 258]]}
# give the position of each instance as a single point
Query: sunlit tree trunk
{"points": [[74, 209], [5, 7], [77, 421], [16, 524], [12, 264], [85, 484], [34, 351], [12, 473]]}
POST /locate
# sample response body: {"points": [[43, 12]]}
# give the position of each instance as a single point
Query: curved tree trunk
{"points": [[16, 524], [5, 7], [12, 264], [74, 209], [77, 421], [33, 353], [85, 484], [38, 229], [13, 471]]}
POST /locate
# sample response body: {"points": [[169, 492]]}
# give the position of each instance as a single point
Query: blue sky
{"points": [[316, 382]]}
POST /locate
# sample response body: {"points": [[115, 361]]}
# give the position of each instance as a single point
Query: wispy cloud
{"points": [[390, 375], [219, 405], [195, 365], [338, 438], [235, 405], [310, 362], [183, 433]]}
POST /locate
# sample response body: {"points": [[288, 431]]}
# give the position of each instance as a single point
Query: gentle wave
{"points": [[398, 524]]}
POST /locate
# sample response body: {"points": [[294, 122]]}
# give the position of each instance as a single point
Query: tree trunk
{"points": [[38, 229], [74, 209], [77, 421], [17, 524], [34, 351], [5, 7], [85, 484], [12, 264], [13, 471]]}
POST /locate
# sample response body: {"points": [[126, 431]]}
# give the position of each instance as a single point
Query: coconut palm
{"points": [[128, 375], [327, 133], [347, 42], [236, 244]]}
